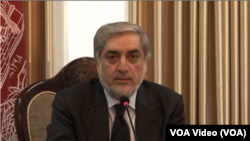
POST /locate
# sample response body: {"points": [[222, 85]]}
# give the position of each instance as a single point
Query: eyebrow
{"points": [[116, 52], [112, 52], [134, 51]]}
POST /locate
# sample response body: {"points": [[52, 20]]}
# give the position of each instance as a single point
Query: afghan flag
{"points": [[13, 64]]}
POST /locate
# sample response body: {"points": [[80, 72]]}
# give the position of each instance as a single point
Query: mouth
{"points": [[123, 79]]}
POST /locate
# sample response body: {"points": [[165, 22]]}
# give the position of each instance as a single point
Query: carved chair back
{"points": [[33, 107]]}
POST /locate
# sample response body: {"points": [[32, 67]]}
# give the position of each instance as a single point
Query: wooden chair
{"points": [[33, 108]]}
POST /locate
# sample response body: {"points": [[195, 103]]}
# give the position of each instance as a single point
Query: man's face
{"points": [[122, 65]]}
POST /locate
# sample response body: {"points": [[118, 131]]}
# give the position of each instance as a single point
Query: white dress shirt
{"points": [[111, 102]]}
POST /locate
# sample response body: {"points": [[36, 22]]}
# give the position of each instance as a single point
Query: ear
{"points": [[98, 65], [145, 66]]}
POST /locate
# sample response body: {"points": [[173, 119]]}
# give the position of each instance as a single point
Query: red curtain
{"points": [[13, 64]]}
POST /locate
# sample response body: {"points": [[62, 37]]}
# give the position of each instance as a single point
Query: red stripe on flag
{"points": [[13, 64]]}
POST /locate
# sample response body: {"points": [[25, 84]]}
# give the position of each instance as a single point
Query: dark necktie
{"points": [[120, 131]]}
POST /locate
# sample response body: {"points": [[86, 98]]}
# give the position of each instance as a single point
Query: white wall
{"points": [[76, 23]]}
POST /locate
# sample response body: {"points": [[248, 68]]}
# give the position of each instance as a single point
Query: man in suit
{"points": [[86, 112]]}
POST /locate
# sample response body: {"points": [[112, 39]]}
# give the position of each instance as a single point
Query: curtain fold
{"points": [[201, 50], [235, 92], [35, 38], [244, 61]]}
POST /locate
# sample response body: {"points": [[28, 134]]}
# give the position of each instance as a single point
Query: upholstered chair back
{"points": [[33, 107]]}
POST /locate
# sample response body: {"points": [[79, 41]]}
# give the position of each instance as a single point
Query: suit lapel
{"points": [[148, 122], [95, 115]]}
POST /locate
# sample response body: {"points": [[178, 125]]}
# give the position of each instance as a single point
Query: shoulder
{"points": [[159, 90], [79, 93], [163, 96], [82, 87], [169, 102]]}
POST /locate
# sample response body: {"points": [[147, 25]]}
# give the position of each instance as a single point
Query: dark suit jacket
{"points": [[81, 113]]}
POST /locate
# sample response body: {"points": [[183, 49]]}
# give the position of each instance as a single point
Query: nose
{"points": [[123, 66]]}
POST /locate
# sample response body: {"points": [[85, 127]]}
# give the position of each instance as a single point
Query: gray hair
{"points": [[107, 31]]}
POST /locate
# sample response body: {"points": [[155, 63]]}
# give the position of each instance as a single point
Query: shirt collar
{"points": [[112, 101]]}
